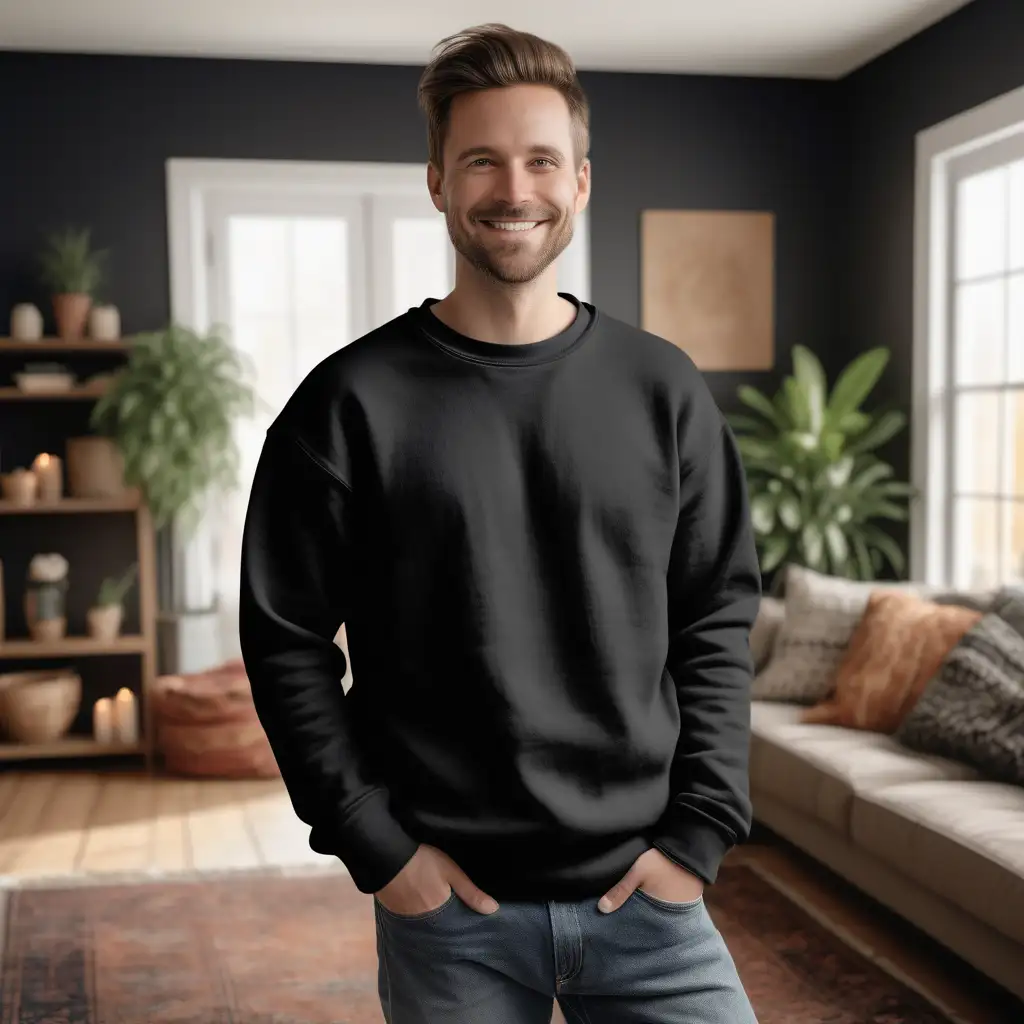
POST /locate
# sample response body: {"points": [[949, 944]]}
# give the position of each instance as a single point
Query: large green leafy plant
{"points": [[171, 413], [818, 489]]}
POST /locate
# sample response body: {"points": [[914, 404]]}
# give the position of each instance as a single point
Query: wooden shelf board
{"points": [[129, 503], [79, 391], [69, 746], [72, 646], [57, 345]]}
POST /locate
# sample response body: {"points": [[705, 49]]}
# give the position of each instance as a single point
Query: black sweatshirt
{"points": [[543, 558]]}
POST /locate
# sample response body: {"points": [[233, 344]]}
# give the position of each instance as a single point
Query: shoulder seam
{"points": [[317, 460]]}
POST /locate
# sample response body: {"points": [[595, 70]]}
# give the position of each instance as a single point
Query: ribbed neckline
{"points": [[529, 354]]}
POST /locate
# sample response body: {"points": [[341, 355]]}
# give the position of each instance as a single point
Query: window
{"points": [[985, 513], [968, 531]]}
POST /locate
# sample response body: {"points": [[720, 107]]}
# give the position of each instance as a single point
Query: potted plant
{"points": [[171, 412], [104, 618], [72, 271], [817, 488]]}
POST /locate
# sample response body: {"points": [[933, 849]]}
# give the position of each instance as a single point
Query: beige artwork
{"points": [[708, 285]]}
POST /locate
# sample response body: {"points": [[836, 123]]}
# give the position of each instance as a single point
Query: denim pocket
{"points": [[425, 915], [656, 901]]}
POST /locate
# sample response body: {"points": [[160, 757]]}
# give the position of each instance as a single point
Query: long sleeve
{"points": [[714, 590], [296, 587]]}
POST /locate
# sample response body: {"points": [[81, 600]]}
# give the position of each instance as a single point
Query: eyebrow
{"points": [[475, 151]]}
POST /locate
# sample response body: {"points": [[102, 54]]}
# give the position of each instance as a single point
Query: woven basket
{"points": [[207, 725], [39, 706]]}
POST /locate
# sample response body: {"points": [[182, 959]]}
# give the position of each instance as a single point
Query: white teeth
{"points": [[521, 225]]}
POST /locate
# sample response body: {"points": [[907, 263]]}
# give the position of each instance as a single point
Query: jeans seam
{"points": [[579, 946], [384, 952]]}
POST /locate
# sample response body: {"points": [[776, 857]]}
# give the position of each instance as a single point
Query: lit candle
{"points": [[126, 721], [47, 469], [103, 720]]}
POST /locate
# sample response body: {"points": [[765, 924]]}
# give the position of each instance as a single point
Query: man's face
{"points": [[509, 160]]}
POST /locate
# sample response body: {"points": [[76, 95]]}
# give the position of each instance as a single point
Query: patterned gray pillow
{"points": [[822, 613], [973, 710], [770, 617]]}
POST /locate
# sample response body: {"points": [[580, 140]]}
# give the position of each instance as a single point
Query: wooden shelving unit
{"points": [[75, 392], [69, 506], [141, 646], [55, 346], [70, 746]]}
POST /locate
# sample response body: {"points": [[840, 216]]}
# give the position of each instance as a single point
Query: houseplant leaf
{"points": [[171, 412], [855, 383]]}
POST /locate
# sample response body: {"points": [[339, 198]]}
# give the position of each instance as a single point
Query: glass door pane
{"points": [[412, 255], [285, 281]]}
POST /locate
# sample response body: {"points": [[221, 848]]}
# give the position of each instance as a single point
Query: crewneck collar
{"points": [[528, 354]]}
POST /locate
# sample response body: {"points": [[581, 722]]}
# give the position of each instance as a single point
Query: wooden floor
{"points": [[85, 823]]}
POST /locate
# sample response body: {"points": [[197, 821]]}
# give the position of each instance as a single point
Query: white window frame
{"points": [[943, 152], [194, 186]]}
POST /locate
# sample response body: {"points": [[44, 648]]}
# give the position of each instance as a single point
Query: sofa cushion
{"points": [[898, 646], [766, 626], [821, 614], [817, 769], [973, 710], [964, 840]]}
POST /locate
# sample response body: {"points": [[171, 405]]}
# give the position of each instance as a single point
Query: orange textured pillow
{"points": [[897, 647]]}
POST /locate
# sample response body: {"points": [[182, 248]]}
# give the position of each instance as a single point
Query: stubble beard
{"points": [[507, 262]]}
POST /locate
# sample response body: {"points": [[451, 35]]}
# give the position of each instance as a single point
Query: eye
{"points": [[480, 159], [544, 159]]}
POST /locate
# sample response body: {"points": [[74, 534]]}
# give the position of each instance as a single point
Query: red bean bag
{"points": [[206, 725]]}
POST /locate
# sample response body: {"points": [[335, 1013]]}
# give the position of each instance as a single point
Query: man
{"points": [[533, 521]]}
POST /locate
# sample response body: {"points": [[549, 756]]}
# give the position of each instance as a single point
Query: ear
{"points": [[435, 186], [583, 186]]}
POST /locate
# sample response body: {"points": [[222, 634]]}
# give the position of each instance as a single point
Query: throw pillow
{"points": [[896, 649], [821, 614], [766, 628], [973, 710]]}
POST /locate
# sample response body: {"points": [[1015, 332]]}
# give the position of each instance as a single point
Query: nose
{"points": [[514, 184]]}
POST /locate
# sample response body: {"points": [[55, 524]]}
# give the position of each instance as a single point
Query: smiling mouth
{"points": [[512, 226]]}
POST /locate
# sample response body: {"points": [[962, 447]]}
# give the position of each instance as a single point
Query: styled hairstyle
{"points": [[494, 56]]}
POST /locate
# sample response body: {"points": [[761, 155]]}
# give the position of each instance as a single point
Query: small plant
{"points": [[171, 411], [69, 265], [112, 591], [816, 487]]}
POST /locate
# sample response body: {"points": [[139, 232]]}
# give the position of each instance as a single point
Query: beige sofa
{"points": [[930, 838]]}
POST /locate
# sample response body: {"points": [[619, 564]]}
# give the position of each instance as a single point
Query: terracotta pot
{"points": [[95, 468], [71, 311], [103, 622]]}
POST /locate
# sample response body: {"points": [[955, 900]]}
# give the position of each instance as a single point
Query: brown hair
{"points": [[494, 56]]}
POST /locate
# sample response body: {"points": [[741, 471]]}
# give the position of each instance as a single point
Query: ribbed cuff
{"points": [[693, 843], [371, 844]]}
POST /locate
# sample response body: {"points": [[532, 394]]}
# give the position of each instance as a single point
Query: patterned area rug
{"points": [[275, 948]]}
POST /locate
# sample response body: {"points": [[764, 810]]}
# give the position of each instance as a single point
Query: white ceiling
{"points": [[800, 38]]}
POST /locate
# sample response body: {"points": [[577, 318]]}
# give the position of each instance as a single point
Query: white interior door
{"points": [[295, 277]]}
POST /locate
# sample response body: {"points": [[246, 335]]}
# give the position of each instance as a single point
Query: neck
{"points": [[489, 310]]}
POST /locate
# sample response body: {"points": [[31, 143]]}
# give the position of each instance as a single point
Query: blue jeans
{"points": [[649, 962]]}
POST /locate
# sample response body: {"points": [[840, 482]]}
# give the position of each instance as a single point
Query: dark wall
{"points": [[968, 58], [87, 138]]}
